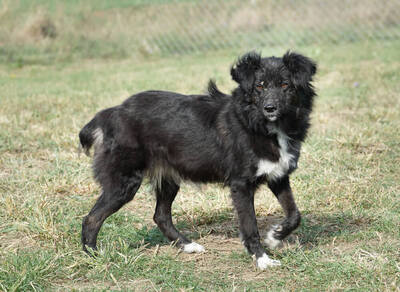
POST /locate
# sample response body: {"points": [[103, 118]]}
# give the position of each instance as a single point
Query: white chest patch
{"points": [[277, 169]]}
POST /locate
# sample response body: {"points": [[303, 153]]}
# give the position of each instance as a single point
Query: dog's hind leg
{"points": [[283, 193], [166, 192], [113, 197]]}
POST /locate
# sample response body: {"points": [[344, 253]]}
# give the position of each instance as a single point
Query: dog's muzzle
{"points": [[270, 112]]}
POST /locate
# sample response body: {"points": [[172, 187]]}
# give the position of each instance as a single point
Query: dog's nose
{"points": [[269, 108]]}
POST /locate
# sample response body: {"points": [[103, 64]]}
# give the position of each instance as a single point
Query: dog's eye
{"points": [[260, 86], [284, 85]]}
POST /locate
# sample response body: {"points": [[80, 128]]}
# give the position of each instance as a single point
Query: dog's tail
{"points": [[97, 131], [90, 135], [213, 90]]}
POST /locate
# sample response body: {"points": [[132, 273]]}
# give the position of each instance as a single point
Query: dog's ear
{"points": [[243, 71], [301, 68]]}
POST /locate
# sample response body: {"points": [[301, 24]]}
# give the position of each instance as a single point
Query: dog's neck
{"points": [[294, 126]]}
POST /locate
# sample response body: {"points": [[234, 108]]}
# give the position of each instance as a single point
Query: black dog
{"points": [[244, 139]]}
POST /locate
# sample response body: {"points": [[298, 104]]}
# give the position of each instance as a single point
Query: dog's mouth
{"points": [[271, 116], [271, 112]]}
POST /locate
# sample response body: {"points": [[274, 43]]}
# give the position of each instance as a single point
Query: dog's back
{"points": [[160, 133]]}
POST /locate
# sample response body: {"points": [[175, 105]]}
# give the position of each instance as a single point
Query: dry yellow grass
{"points": [[346, 185]]}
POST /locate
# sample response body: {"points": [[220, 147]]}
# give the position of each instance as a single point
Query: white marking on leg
{"points": [[271, 241], [265, 261], [193, 247]]}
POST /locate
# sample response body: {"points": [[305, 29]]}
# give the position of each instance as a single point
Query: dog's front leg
{"points": [[243, 200], [283, 193]]}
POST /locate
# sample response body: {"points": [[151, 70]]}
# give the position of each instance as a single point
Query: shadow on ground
{"points": [[315, 229], [320, 228]]}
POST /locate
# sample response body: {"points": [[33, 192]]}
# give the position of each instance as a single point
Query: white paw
{"points": [[265, 261], [271, 241], [193, 247]]}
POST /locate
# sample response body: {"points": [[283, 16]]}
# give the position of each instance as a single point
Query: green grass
{"points": [[43, 32], [347, 184]]}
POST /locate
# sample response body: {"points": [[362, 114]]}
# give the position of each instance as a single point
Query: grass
{"points": [[347, 184], [43, 32]]}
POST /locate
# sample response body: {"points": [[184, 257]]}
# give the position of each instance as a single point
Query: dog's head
{"points": [[275, 86]]}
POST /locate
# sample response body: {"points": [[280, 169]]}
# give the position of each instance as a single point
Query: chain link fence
{"points": [[175, 26], [43, 30]]}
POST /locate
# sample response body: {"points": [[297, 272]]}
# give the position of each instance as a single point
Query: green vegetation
{"points": [[43, 31], [347, 185]]}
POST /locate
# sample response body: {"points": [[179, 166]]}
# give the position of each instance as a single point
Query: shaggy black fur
{"points": [[206, 138]]}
